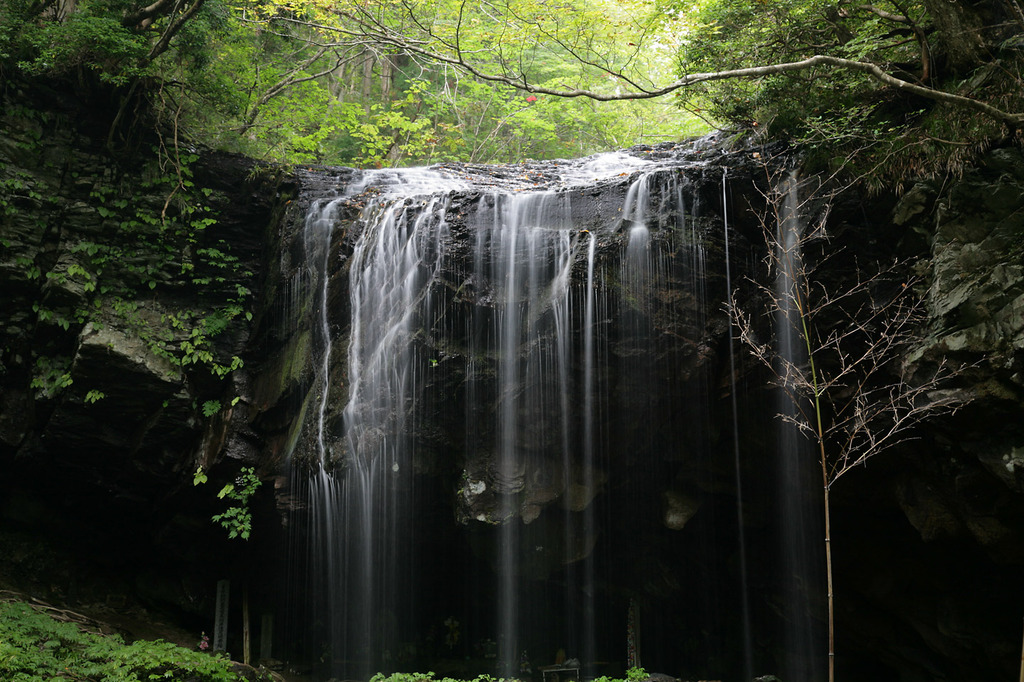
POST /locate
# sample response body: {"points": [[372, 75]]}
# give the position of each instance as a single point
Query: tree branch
{"points": [[133, 19], [174, 25], [287, 81], [376, 31]]}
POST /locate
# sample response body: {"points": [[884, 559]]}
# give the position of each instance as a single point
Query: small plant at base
{"points": [[636, 675], [632, 675], [425, 677]]}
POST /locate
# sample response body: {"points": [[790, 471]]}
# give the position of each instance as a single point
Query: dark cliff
{"points": [[155, 320], [132, 273]]}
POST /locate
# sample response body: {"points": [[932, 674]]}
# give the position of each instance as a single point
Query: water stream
{"points": [[800, 512], [744, 588], [519, 346]]}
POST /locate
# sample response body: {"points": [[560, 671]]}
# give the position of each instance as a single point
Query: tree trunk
{"points": [[387, 78], [958, 37], [368, 60], [828, 571], [1022, 663]]}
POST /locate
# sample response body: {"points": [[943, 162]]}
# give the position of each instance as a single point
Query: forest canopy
{"points": [[399, 82]]}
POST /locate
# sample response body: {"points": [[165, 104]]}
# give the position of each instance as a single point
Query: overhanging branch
{"points": [[376, 31]]}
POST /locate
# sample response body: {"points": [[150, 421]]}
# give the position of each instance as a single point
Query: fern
{"points": [[34, 647]]}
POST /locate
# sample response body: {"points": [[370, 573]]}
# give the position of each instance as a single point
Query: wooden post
{"points": [[1022, 663], [246, 643], [220, 619], [266, 636]]}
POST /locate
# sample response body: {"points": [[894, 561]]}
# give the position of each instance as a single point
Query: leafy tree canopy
{"points": [[909, 85], [952, 87], [312, 81], [905, 86]]}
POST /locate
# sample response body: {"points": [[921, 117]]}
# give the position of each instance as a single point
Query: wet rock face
{"points": [[976, 305], [117, 304], [647, 365], [668, 485], [954, 495], [100, 431], [679, 508], [977, 294]]}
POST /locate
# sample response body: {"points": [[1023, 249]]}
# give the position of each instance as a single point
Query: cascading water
{"points": [[742, 543], [361, 487], [800, 512], [527, 351], [524, 251]]}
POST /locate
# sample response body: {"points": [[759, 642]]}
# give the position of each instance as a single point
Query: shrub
{"points": [[36, 647]]}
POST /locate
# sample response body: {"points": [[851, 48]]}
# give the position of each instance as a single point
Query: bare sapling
{"points": [[854, 387]]}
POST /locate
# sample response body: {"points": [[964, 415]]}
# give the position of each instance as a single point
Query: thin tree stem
{"points": [[1022, 663], [824, 477]]}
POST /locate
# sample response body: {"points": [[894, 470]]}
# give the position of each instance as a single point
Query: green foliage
{"points": [[157, 225], [302, 83], [632, 675], [846, 118], [35, 647], [62, 317], [739, 33], [96, 42], [51, 375], [236, 519], [17, 189], [426, 677], [636, 675], [165, 249], [255, 78], [196, 348]]}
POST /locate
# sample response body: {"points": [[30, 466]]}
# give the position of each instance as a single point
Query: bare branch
{"points": [[888, 16], [852, 378]]}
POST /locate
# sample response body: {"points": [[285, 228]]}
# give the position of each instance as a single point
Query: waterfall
{"points": [[747, 638], [516, 355], [361, 487], [590, 418], [800, 512], [523, 253]]}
